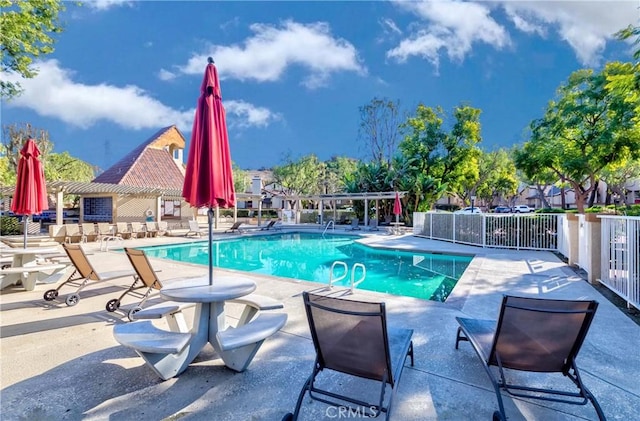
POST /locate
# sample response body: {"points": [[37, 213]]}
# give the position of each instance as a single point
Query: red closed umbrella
{"points": [[397, 208], [30, 196], [208, 180]]}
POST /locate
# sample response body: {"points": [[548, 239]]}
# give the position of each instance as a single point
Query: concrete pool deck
{"points": [[62, 363]]}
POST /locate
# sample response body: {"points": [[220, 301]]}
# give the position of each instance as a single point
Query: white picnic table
{"points": [[169, 353], [27, 270]]}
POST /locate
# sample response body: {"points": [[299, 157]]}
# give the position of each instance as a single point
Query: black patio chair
{"points": [[534, 335], [352, 337]]}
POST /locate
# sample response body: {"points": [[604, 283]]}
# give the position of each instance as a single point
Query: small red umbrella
{"points": [[208, 180], [397, 208], [30, 197]]}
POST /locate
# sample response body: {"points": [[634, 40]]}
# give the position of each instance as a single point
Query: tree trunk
{"points": [[592, 196], [543, 200]]}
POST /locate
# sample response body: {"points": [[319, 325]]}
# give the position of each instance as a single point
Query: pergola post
{"points": [[366, 212], [59, 208], [158, 208]]}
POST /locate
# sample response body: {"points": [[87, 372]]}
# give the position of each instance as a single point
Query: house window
{"points": [[170, 209], [98, 209]]}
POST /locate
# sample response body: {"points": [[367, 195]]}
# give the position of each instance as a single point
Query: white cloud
{"points": [[586, 26], [106, 4], [54, 93], [164, 74], [452, 26], [249, 114], [390, 26], [265, 56]]}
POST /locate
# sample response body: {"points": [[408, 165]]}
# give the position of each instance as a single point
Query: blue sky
{"points": [[295, 73]]}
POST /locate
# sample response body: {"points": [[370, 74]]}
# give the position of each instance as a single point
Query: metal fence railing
{"points": [[620, 260], [516, 231]]}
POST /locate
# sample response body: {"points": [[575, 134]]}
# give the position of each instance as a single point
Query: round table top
{"points": [[198, 290]]}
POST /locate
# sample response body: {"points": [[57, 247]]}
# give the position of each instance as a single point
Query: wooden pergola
{"points": [[366, 197], [60, 188]]}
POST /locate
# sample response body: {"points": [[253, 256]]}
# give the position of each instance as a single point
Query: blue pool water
{"points": [[309, 256]]}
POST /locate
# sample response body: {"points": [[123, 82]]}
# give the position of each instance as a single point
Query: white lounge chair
{"points": [[194, 229]]}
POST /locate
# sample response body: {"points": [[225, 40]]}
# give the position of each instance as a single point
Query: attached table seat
{"points": [[242, 343], [159, 348]]}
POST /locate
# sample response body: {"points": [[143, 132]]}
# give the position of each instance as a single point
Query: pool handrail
{"points": [[346, 271], [330, 223], [355, 283]]}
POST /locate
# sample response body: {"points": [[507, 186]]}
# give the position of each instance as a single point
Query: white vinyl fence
{"points": [[620, 245], [517, 231]]}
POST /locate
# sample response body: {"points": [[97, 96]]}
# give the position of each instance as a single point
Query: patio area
{"points": [[62, 363]]}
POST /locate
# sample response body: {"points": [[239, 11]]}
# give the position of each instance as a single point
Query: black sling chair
{"points": [[352, 337], [536, 335]]}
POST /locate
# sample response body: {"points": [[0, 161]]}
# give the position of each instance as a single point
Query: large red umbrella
{"points": [[208, 180], [30, 197], [397, 208]]}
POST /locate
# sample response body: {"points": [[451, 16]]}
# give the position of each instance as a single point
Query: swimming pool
{"points": [[309, 256]]}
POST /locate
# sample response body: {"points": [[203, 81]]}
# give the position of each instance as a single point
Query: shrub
{"points": [[550, 210], [9, 225], [630, 210]]}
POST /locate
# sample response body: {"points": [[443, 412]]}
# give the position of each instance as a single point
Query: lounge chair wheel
{"points": [[113, 305], [132, 312], [72, 300], [288, 417], [50, 295], [497, 416]]}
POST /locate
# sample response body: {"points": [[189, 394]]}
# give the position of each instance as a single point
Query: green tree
{"points": [[7, 173], [631, 32], [26, 33], [496, 176], [423, 189], [241, 180], [618, 175], [64, 167], [373, 176], [434, 160], [380, 128], [301, 177], [592, 123], [334, 175], [541, 179]]}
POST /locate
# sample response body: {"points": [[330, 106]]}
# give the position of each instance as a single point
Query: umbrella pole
{"points": [[210, 220], [25, 220]]}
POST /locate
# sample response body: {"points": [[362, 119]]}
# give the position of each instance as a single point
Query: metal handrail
{"points": [[355, 283], [346, 271], [330, 223]]}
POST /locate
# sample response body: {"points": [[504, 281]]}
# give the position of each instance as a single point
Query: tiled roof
{"points": [[147, 165]]}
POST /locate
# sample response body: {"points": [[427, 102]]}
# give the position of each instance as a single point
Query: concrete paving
{"points": [[62, 363]]}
